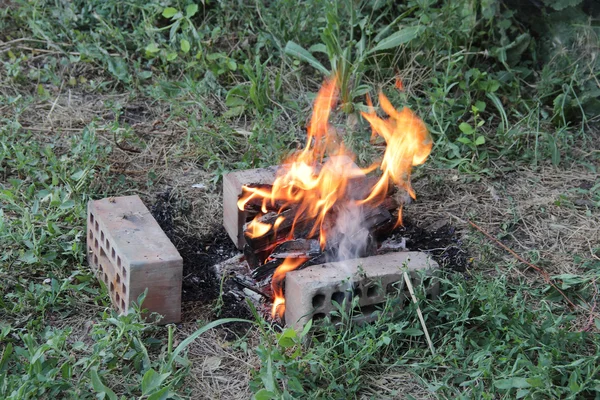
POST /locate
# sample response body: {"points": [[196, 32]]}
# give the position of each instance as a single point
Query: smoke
{"points": [[352, 237]]}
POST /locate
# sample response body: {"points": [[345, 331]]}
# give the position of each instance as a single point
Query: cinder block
{"points": [[130, 252], [234, 218], [310, 292]]}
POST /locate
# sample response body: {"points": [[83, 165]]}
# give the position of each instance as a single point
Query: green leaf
{"points": [[287, 338], [118, 67], [152, 48], [185, 46], [162, 394], [480, 105], [100, 387], [67, 205], [171, 56], [5, 356], [264, 394], [152, 381], [403, 36], [510, 383], [412, 332], [318, 48], [231, 64], [191, 10], [479, 141], [466, 128], [294, 50], [144, 75], [183, 345], [306, 328], [169, 12]]}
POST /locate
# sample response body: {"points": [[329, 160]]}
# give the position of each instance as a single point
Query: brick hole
{"points": [[336, 319], [118, 278], [370, 309], [90, 234], [429, 296], [123, 305], [394, 288], [318, 316], [112, 287], [372, 291], [102, 236], [318, 300], [105, 278], [356, 290], [91, 219], [95, 259], [97, 226], [107, 246], [118, 261], [124, 289], [118, 298], [113, 254], [338, 297], [124, 272], [90, 251], [96, 243], [428, 281], [101, 268]]}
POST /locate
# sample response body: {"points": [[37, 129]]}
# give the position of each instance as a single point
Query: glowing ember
{"points": [[314, 184]]}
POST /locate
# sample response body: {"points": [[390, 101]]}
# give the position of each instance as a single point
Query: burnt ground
{"points": [[440, 239], [201, 253]]}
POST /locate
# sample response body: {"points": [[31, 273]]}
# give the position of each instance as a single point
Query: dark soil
{"points": [[200, 255], [440, 240]]}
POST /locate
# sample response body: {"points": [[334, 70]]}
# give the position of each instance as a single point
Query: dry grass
{"points": [[539, 214], [220, 370]]}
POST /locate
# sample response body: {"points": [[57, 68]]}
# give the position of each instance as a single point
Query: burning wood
{"points": [[322, 209]]}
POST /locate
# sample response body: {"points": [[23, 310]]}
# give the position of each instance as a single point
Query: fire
{"points": [[408, 145], [289, 264], [313, 184]]}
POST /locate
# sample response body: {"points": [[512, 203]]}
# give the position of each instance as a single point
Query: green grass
{"points": [[229, 85]]}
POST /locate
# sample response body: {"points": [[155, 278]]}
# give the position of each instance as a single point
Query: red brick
{"points": [[131, 253]]}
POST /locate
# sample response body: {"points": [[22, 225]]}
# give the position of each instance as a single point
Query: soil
{"points": [[438, 239], [201, 253]]}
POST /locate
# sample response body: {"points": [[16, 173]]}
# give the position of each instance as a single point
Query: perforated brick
{"points": [[130, 252], [310, 292], [234, 218]]}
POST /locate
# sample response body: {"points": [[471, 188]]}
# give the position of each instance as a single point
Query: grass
{"points": [[103, 98]]}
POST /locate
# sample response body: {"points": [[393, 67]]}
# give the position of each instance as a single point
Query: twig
{"points": [[128, 149], [255, 290], [542, 272], [419, 313]]}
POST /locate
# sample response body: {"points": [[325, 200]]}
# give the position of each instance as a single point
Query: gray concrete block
{"points": [[309, 292]]}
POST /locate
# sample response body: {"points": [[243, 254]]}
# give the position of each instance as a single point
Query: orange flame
{"points": [[313, 184], [289, 264], [408, 145], [258, 229]]}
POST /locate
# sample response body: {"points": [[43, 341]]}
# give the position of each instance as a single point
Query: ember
{"points": [[321, 206]]}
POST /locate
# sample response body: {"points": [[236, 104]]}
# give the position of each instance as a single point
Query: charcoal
{"points": [[297, 248]]}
